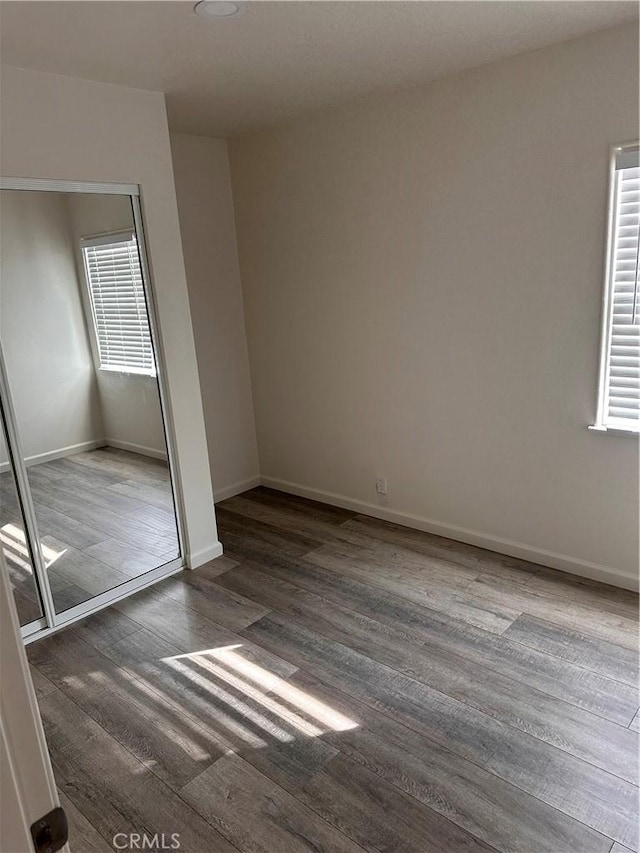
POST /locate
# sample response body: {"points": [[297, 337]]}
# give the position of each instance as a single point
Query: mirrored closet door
{"points": [[88, 510]]}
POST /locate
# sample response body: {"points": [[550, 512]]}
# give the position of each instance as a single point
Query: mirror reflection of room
{"points": [[82, 377], [14, 544]]}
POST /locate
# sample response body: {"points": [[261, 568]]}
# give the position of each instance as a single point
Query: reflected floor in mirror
{"points": [[104, 516]]}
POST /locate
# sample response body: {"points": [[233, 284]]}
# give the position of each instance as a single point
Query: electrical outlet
{"points": [[381, 485]]}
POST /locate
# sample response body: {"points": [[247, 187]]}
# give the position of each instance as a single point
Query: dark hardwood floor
{"points": [[337, 683], [104, 516]]}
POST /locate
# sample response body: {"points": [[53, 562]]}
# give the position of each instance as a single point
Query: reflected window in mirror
{"points": [[118, 307]]}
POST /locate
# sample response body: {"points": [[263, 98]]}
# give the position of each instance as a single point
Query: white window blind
{"points": [[620, 392], [118, 303]]}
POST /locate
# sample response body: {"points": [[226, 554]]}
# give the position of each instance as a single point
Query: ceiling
{"points": [[278, 60]]}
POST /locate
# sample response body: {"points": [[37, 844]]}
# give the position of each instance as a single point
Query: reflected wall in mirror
{"points": [[82, 375]]}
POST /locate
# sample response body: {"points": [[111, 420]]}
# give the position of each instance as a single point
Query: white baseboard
{"points": [[572, 565], [235, 489], [71, 450], [204, 555], [135, 448]]}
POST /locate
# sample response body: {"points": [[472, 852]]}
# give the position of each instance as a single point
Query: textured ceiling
{"points": [[282, 59]]}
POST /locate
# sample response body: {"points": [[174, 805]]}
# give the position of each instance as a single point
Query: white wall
{"points": [[422, 278], [205, 207], [42, 326], [26, 776], [130, 403], [71, 129]]}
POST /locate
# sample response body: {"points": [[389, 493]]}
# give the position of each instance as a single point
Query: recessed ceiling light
{"points": [[218, 8]]}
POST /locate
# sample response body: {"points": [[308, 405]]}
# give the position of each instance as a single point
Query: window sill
{"points": [[614, 430], [123, 372]]}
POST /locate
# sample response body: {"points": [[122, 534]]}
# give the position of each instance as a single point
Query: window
{"points": [[619, 393], [118, 304]]}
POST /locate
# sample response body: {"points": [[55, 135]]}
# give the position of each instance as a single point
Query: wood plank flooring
{"points": [[104, 516], [337, 683]]}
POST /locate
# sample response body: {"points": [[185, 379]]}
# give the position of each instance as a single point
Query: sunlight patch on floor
{"points": [[227, 664], [14, 546]]}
